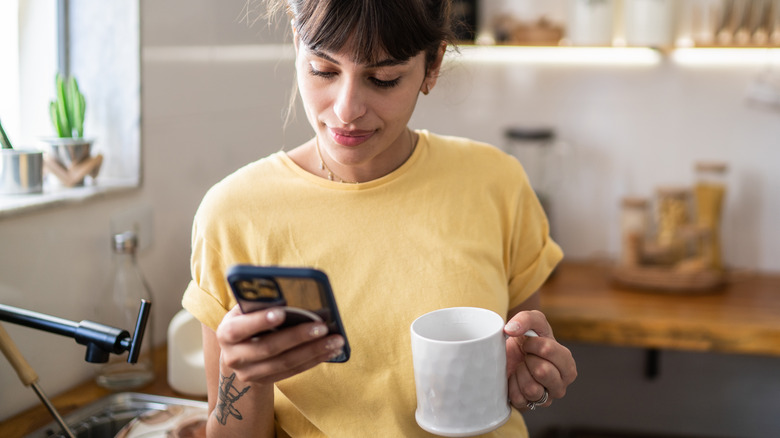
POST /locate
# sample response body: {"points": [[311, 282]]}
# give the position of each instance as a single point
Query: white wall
{"points": [[629, 130]]}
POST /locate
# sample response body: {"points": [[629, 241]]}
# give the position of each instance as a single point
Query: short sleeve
{"points": [[533, 253], [207, 296]]}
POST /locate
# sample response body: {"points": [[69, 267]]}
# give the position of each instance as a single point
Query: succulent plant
{"points": [[5, 143], [67, 111]]}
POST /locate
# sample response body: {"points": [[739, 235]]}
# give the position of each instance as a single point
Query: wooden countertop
{"points": [[34, 418], [582, 304]]}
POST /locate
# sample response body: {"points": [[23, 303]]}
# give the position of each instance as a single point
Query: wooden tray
{"points": [[668, 280]]}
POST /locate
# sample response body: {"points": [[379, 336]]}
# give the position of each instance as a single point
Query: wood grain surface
{"points": [[584, 305]]}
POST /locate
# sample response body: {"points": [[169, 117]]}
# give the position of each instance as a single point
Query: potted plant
{"points": [[69, 150], [21, 170]]}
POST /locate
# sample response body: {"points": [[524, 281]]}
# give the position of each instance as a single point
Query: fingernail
{"points": [[512, 326], [337, 354], [275, 315], [317, 331], [335, 344]]}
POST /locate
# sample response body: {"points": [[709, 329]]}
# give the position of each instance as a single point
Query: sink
{"points": [[104, 418]]}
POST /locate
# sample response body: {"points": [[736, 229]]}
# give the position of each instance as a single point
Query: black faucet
{"points": [[101, 340]]}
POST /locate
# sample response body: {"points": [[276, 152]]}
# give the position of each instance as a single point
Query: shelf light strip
{"points": [[726, 56], [628, 56]]}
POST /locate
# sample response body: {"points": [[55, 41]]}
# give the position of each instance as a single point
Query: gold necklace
{"points": [[332, 176], [325, 167]]}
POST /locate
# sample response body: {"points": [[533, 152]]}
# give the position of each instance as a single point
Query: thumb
{"points": [[514, 329]]}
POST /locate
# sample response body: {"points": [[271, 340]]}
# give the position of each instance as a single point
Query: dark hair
{"points": [[399, 28]]}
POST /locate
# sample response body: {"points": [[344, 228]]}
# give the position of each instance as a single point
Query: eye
{"points": [[385, 84], [320, 73]]}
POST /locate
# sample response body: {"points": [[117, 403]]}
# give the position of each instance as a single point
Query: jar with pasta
{"points": [[673, 215], [709, 193]]}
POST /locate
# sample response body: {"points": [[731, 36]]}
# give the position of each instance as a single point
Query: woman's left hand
{"points": [[539, 369]]}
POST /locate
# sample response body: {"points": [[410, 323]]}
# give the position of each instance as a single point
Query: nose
{"points": [[350, 103]]}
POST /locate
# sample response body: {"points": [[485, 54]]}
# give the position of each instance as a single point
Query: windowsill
{"points": [[14, 204]]}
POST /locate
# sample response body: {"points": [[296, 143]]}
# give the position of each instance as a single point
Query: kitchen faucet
{"points": [[101, 340]]}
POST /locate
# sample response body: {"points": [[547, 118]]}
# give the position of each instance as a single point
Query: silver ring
{"points": [[532, 405]]}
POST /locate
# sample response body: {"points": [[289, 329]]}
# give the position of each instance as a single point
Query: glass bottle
{"points": [[709, 191], [121, 310]]}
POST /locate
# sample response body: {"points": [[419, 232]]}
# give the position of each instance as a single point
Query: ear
{"points": [[433, 71]]}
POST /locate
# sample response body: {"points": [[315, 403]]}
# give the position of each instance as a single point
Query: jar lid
{"points": [[125, 242], [530, 134], [673, 191]]}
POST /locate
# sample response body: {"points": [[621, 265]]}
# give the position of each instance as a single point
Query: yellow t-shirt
{"points": [[456, 225]]}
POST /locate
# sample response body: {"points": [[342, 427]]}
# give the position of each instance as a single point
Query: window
{"points": [[103, 54], [28, 48]]}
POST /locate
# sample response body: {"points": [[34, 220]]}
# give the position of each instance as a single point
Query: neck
{"points": [[324, 167]]}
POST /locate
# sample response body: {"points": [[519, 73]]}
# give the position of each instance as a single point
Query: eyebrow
{"points": [[388, 62]]}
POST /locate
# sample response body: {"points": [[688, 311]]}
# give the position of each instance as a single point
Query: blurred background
{"points": [[628, 104]]}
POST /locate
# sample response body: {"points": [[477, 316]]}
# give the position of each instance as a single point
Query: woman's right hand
{"points": [[242, 366], [272, 356]]}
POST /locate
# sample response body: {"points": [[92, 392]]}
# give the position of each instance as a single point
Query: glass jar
{"points": [[633, 229], [649, 22], [673, 215], [590, 22], [540, 154], [120, 309], [709, 192]]}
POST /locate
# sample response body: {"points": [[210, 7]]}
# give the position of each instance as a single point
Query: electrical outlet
{"points": [[138, 218]]}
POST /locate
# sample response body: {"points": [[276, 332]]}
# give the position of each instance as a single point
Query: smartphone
{"points": [[305, 295]]}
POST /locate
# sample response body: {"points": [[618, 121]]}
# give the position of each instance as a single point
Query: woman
{"points": [[402, 221]]}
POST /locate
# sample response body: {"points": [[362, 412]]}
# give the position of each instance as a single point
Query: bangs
{"points": [[366, 29]]}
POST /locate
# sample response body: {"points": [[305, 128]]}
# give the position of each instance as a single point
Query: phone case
{"points": [[304, 293]]}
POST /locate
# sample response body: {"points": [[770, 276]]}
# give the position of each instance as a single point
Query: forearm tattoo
{"points": [[228, 394]]}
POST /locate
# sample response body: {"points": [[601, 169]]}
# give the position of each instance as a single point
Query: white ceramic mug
{"points": [[459, 357]]}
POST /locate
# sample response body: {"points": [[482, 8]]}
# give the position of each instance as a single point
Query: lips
{"points": [[346, 137]]}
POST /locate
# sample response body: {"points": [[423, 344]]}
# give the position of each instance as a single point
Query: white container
{"points": [[186, 367], [459, 357], [591, 22], [649, 22]]}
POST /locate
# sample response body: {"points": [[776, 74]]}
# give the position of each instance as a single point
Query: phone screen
{"points": [[304, 299]]}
